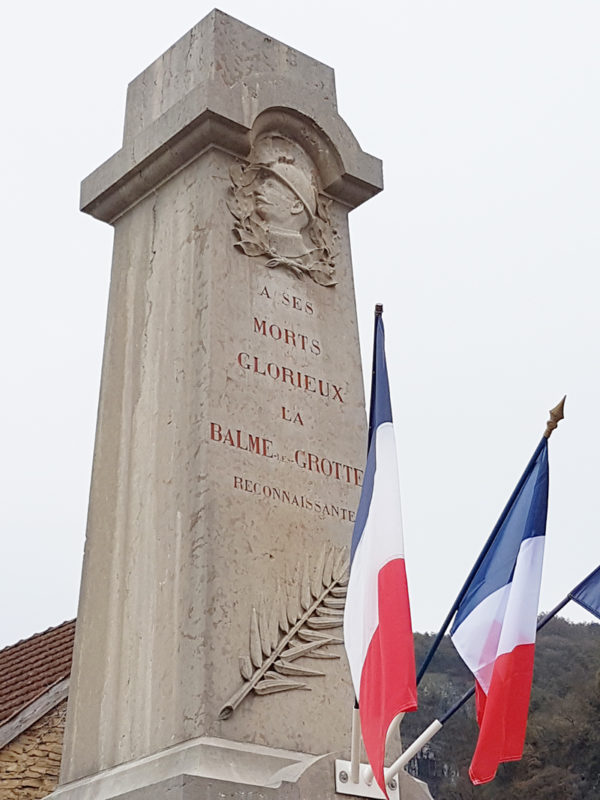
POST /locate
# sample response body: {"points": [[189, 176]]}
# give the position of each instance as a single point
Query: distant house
{"points": [[34, 684]]}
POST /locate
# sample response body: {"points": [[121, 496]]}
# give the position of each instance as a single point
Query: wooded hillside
{"points": [[561, 760]]}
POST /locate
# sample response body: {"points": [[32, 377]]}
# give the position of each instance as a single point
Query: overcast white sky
{"points": [[484, 248]]}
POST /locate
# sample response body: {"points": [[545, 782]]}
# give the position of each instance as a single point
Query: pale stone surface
{"points": [[231, 426], [205, 757], [191, 771]]}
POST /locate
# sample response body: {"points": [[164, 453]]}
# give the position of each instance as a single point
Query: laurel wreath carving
{"points": [[252, 234], [298, 624]]}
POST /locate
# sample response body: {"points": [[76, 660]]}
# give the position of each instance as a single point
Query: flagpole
{"points": [[356, 730], [438, 724], [378, 313], [556, 414], [355, 745]]}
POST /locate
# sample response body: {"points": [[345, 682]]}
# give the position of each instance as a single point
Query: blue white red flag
{"points": [[377, 625], [495, 625], [587, 593]]}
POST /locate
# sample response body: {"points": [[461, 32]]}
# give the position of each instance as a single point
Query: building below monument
{"points": [[34, 684]]}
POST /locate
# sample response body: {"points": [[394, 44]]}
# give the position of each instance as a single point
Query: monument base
{"points": [[218, 769]]}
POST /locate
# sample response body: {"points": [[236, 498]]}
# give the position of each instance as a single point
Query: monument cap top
{"points": [[221, 85], [219, 48]]}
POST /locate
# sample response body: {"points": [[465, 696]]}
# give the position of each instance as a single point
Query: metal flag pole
{"points": [[556, 414], [356, 741], [438, 724], [355, 746]]}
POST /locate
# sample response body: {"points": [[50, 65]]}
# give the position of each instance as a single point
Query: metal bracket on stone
{"points": [[344, 785]]}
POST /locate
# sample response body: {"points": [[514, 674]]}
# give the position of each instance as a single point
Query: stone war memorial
{"points": [[231, 436]]}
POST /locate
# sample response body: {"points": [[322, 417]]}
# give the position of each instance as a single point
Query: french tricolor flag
{"points": [[377, 625], [495, 625]]}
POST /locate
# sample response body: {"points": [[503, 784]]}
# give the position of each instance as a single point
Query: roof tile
{"points": [[30, 667]]}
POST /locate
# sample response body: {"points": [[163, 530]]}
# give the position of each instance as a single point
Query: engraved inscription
{"points": [[289, 301], [291, 416], [241, 440], [287, 497], [328, 468], [294, 378], [287, 336]]}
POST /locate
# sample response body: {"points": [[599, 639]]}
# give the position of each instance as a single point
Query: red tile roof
{"points": [[30, 667]]}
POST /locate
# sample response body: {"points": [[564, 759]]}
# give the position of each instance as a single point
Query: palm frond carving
{"points": [[299, 622]]}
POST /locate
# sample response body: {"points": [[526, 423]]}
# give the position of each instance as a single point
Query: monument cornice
{"points": [[223, 118]]}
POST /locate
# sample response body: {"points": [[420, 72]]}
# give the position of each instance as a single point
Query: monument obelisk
{"points": [[231, 432]]}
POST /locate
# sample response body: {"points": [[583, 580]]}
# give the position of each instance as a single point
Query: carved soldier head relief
{"points": [[279, 212]]}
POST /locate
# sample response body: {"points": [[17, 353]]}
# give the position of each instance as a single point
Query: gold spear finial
{"points": [[556, 414]]}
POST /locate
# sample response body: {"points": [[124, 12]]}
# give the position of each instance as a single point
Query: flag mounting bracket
{"points": [[344, 785]]}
